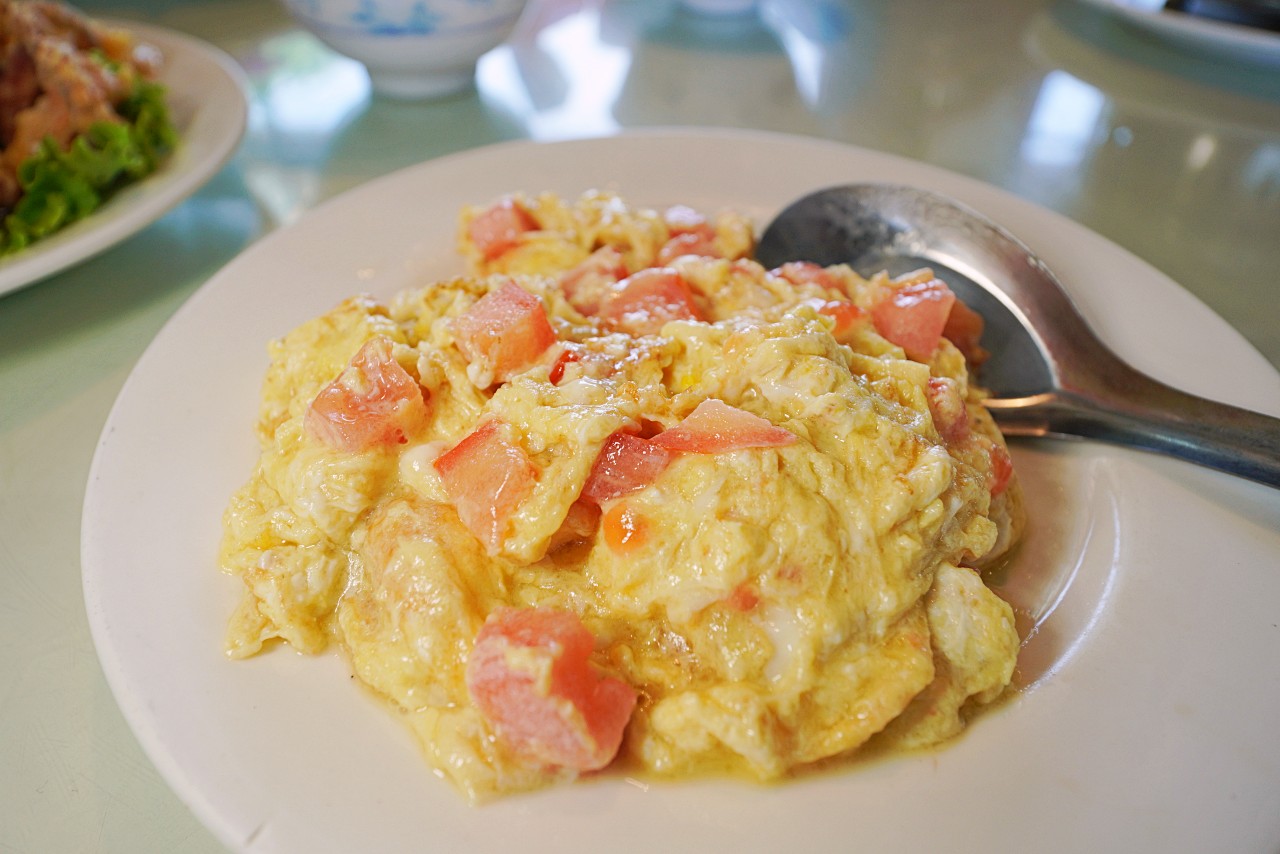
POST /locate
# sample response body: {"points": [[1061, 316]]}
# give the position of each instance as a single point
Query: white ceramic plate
{"points": [[1149, 695], [1221, 39], [207, 103]]}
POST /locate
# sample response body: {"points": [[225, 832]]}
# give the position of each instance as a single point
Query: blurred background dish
{"points": [[207, 100], [1222, 39], [413, 49], [720, 7]]}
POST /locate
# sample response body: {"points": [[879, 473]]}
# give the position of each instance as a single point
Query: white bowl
{"points": [[412, 48]]}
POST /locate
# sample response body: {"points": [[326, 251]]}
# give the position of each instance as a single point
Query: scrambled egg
{"points": [[773, 591]]}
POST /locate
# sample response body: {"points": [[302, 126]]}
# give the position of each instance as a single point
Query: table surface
{"points": [[1168, 149]]}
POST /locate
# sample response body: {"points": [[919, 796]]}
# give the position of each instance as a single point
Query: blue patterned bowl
{"points": [[412, 48]]}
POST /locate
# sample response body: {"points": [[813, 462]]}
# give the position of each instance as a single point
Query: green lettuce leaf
{"points": [[61, 187]]}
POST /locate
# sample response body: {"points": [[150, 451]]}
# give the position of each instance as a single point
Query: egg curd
{"points": [[623, 495]]}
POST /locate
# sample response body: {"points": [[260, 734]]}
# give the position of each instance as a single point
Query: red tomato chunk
{"points": [[845, 314], [499, 228], [625, 464], [646, 301], [964, 329], [682, 219], [531, 678], [950, 415], [690, 243], [715, 426], [487, 478], [504, 332], [373, 403], [568, 356], [914, 315], [808, 273], [1001, 469], [586, 285]]}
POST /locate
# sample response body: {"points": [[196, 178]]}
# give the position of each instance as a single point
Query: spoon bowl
{"points": [[1048, 374]]}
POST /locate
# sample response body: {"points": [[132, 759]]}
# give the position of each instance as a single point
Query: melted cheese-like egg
{"points": [[750, 586]]}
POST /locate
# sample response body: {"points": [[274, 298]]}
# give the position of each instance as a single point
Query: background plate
{"points": [[1147, 587], [207, 104], [1220, 39]]}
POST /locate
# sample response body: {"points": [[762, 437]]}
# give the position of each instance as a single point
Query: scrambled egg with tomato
{"points": [[621, 495]]}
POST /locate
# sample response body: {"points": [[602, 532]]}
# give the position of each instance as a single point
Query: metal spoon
{"points": [[1049, 374]]}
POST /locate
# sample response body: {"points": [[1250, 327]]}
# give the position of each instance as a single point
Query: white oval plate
{"points": [[207, 103], [1149, 699], [1221, 39]]}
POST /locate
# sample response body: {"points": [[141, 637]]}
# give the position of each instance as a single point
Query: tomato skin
{"points": [[567, 356], [505, 332], [487, 478], [530, 677], [914, 315], [625, 464], [646, 301], [715, 426], [373, 403], [498, 229]]}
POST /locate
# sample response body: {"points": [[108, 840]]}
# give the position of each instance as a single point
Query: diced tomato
{"points": [[914, 315], [950, 415], [690, 234], [373, 402], [964, 329], [568, 355], [1001, 469], [487, 478], [625, 464], [808, 273], [715, 426], [625, 529], [531, 677], [845, 314], [682, 219], [690, 243], [504, 332], [586, 285], [646, 301], [498, 229]]}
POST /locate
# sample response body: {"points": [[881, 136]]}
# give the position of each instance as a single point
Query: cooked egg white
{"points": [[776, 606]]}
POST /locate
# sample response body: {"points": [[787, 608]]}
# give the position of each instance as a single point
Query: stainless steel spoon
{"points": [[1049, 374]]}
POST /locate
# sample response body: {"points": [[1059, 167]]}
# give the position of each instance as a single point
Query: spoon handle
{"points": [[1138, 411]]}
